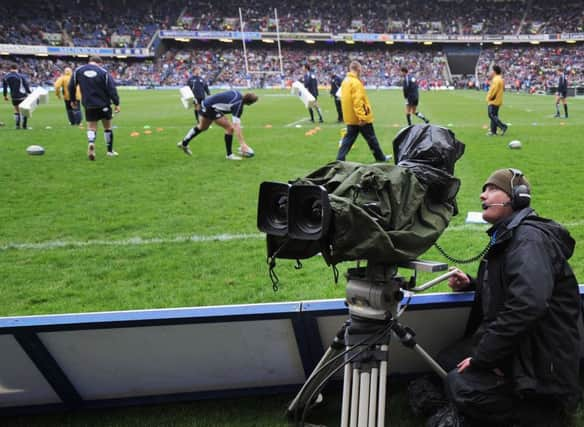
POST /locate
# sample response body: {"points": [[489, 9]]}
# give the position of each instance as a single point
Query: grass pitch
{"points": [[154, 228]]}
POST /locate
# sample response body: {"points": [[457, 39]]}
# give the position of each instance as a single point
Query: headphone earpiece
{"points": [[520, 194]]}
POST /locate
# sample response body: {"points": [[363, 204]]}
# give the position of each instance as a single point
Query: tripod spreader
{"points": [[406, 336]]}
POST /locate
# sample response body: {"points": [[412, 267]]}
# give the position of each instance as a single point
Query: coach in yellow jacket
{"points": [[495, 100], [357, 115], [62, 92]]}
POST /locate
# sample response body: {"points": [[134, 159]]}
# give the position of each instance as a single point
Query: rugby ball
{"points": [[248, 153], [515, 144], [35, 150]]}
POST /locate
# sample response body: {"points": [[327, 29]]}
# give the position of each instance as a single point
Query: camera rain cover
{"points": [[386, 213]]}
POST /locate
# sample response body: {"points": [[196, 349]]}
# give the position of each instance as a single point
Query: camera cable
{"points": [[468, 260]]}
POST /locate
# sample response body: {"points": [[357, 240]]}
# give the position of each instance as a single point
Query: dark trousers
{"points": [[73, 114], [339, 109], [487, 399], [368, 133], [495, 121]]}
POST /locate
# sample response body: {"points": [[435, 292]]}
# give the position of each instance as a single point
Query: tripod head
{"points": [[375, 291]]}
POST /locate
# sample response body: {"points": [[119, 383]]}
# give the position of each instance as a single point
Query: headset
{"points": [[520, 194]]}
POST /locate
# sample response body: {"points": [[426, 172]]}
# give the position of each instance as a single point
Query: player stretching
{"points": [[213, 109], [412, 97]]}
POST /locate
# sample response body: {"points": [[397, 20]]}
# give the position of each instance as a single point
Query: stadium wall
{"points": [[93, 360]]}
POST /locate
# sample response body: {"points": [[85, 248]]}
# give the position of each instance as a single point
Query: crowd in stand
{"points": [[132, 23], [406, 16], [95, 23], [528, 69], [533, 69], [554, 17], [226, 66]]}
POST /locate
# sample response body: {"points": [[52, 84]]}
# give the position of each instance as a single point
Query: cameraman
{"points": [[519, 362]]}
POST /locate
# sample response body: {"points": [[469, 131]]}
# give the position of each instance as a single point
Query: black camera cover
{"points": [[387, 213]]}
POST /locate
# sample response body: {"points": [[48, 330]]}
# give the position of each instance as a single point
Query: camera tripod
{"points": [[361, 346]]}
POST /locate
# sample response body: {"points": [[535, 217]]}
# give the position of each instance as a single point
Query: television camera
{"points": [[381, 214]]}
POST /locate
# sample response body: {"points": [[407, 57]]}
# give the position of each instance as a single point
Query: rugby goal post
{"points": [[249, 72]]}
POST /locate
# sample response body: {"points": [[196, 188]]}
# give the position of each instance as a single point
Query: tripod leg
{"points": [[346, 395], [355, 397], [373, 396], [364, 385], [382, 389]]}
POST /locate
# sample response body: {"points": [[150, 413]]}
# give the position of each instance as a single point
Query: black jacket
{"points": [[527, 307], [336, 82], [410, 87], [199, 87], [18, 85], [97, 86], [311, 83]]}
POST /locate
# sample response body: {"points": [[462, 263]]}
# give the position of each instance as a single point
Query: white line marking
{"points": [[139, 241], [132, 241], [297, 122]]}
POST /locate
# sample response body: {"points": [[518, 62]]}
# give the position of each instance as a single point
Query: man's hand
{"points": [[463, 365], [117, 109], [362, 123], [459, 281]]}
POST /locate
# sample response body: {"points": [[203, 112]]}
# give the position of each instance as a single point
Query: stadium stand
{"points": [[529, 68], [91, 23], [135, 25]]}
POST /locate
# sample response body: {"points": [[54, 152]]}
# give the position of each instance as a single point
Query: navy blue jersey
{"points": [[199, 87], [97, 86], [230, 102], [18, 85], [335, 84], [562, 83], [410, 87], [311, 83]]}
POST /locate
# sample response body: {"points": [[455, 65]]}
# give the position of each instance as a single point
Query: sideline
{"points": [[297, 122], [195, 238]]}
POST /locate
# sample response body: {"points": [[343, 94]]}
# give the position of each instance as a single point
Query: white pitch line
{"points": [[132, 241], [139, 241], [297, 122]]}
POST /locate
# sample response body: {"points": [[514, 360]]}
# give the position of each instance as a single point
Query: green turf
{"points": [[144, 230]]}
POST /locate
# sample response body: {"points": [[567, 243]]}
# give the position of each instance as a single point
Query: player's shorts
{"points": [[562, 94], [412, 102], [210, 113], [99, 113], [16, 102]]}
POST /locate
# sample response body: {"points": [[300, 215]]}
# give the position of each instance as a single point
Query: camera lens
{"points": [[311, 216], [278, 215]]}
